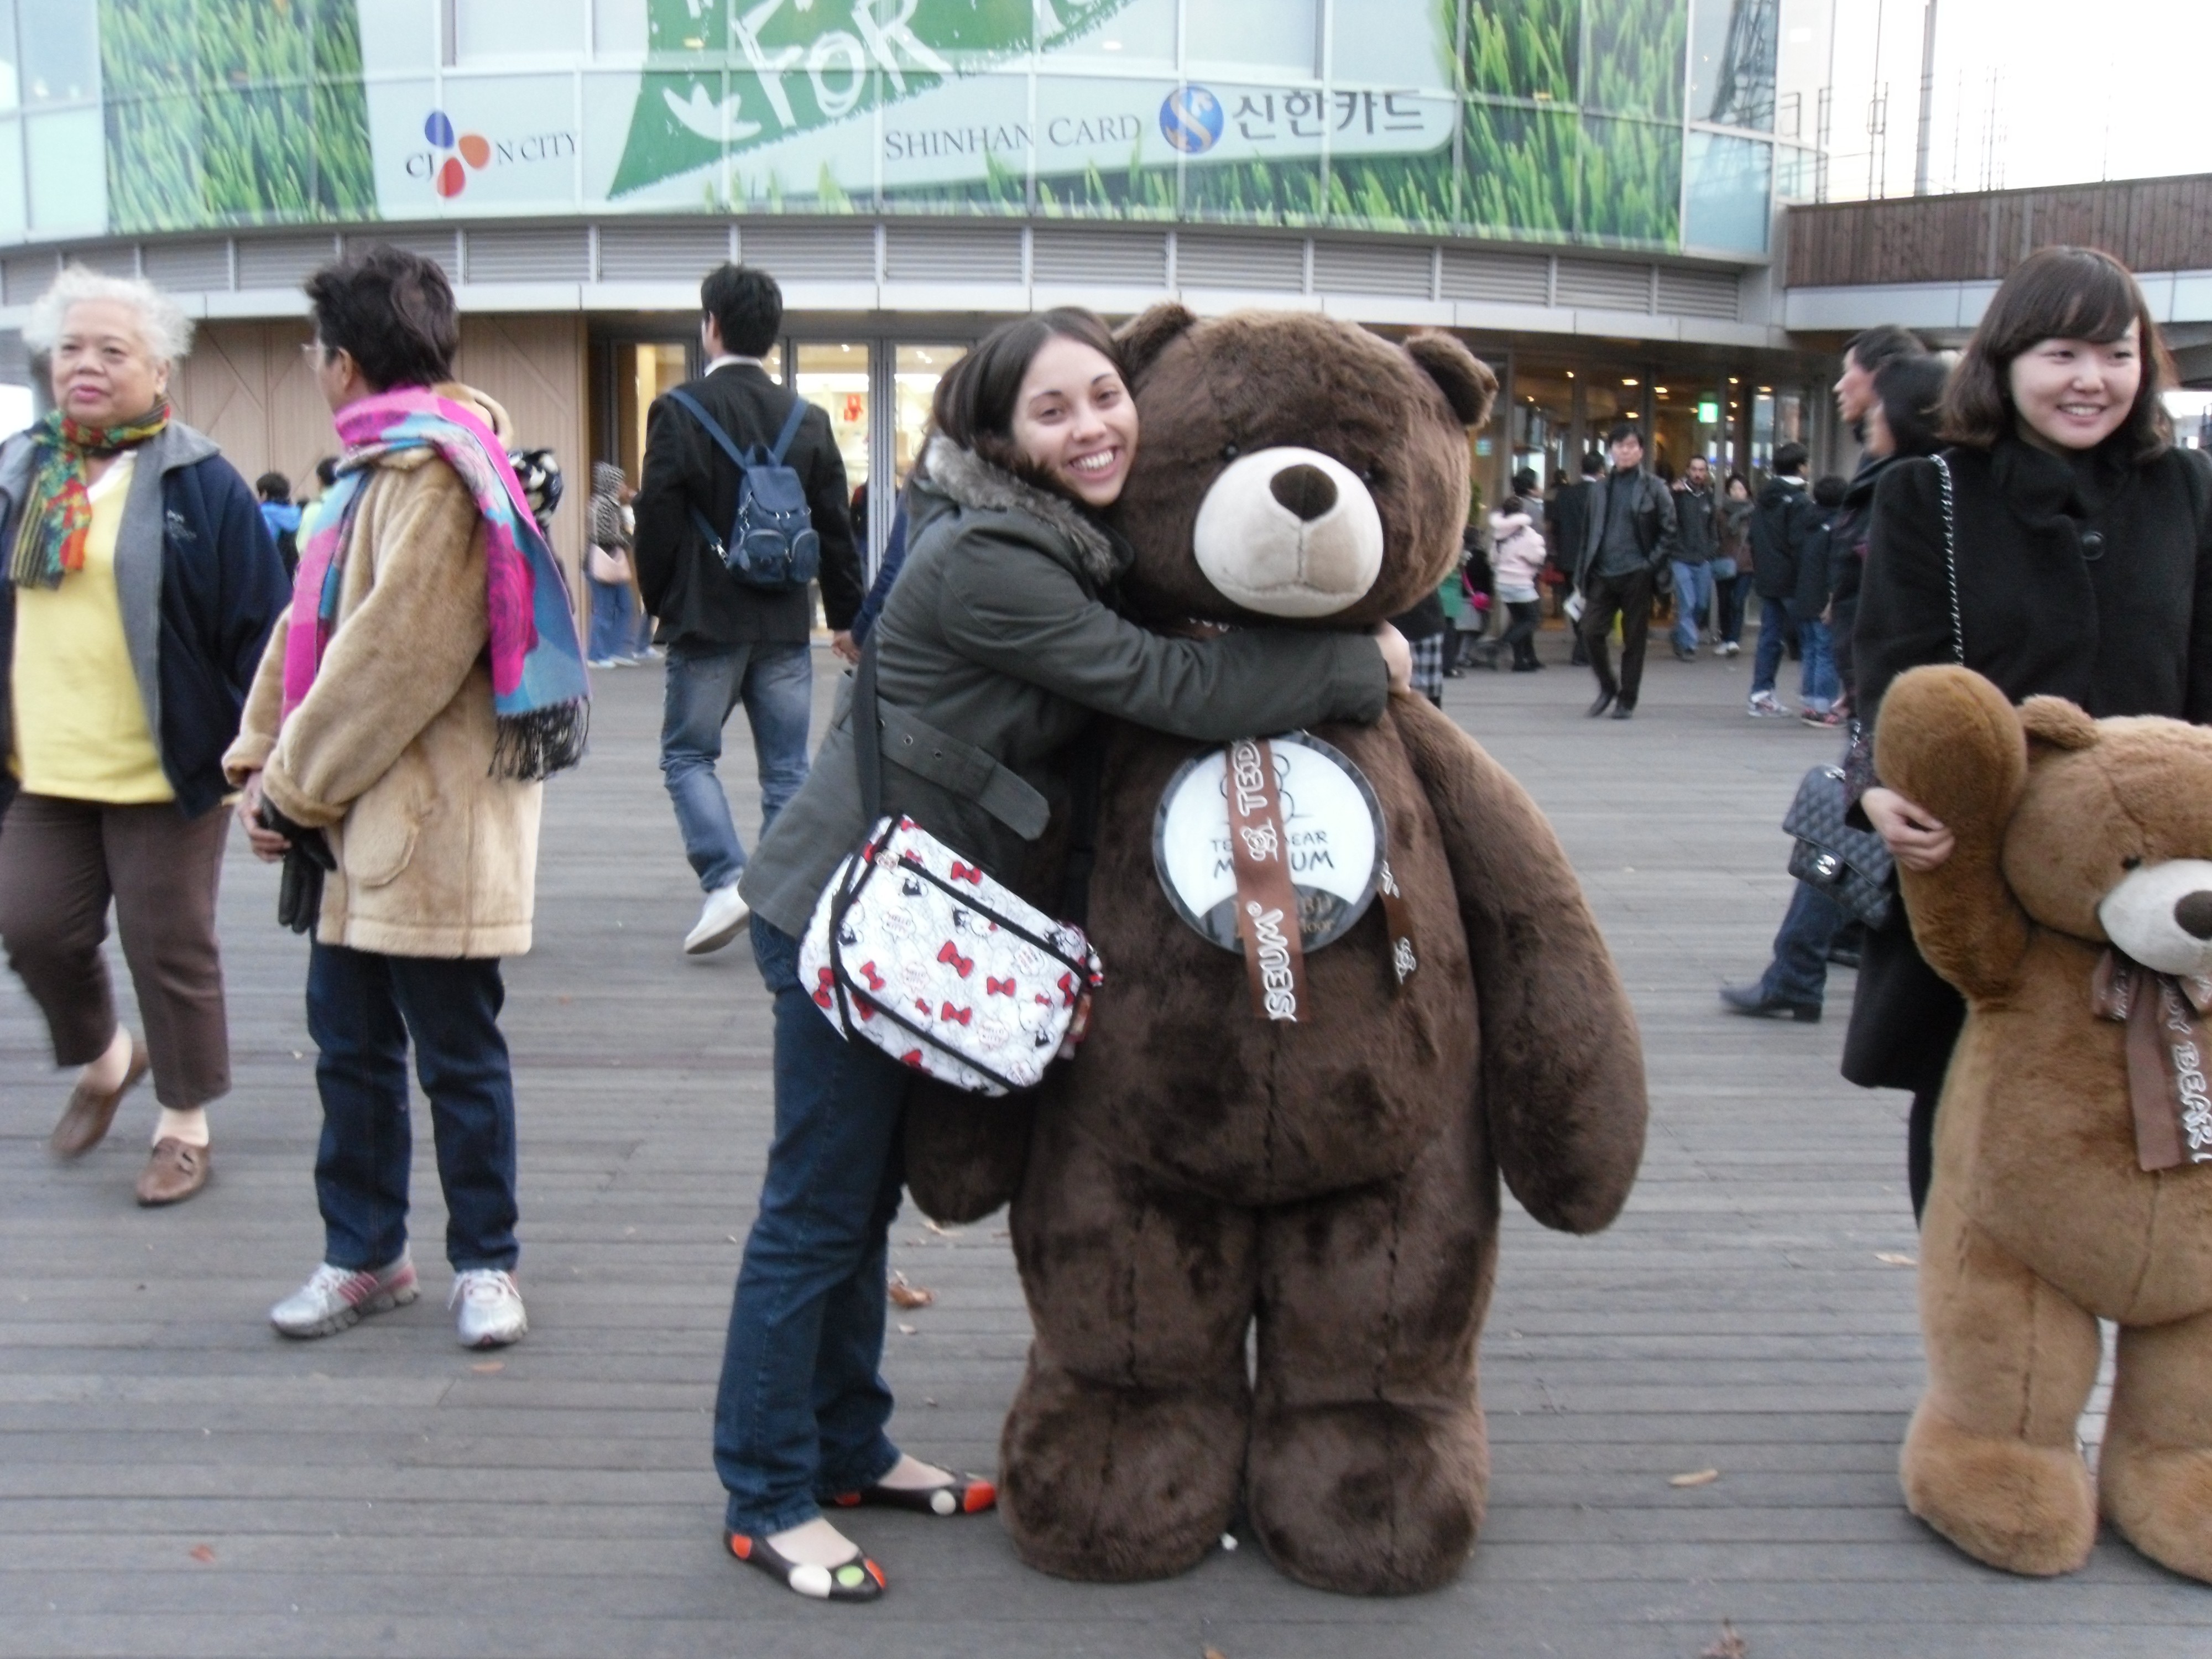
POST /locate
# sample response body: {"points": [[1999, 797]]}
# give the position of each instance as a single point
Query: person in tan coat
{"points": [[396, 732]]}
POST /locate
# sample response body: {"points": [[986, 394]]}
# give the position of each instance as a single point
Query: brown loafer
{"points": [[85, 1119], [172, 1174]]}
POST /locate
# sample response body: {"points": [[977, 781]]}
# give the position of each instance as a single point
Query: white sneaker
{"points": [[724, 913], [334, 1298], [491, 1314], [1764, 702], [1727, 648]]}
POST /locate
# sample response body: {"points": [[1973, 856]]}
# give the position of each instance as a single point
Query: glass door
{"points": [[919, 368], [835, 377]]}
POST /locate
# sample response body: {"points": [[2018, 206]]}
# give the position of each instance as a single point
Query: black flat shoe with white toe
{"points": [[965, 1494], [858, 1579]]}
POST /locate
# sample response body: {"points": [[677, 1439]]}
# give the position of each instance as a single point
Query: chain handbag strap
{"points": [[1951, 557]]}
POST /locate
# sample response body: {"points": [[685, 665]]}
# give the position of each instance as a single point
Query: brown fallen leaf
{"points": [[1215, 1653], [1894, 1259], [1702, 1478], [486, 1367], [202, 1552], [905, 1294], [1730, 1646]]}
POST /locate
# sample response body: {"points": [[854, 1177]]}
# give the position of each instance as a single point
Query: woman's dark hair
{"points": [[393, 311], [1511, 505], [1733, 479], [1909, 391], [975, 403], [2058, 294], [1874, 349]]}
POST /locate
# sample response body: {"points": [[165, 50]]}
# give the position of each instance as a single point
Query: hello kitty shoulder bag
{"points": [[916, 951]]}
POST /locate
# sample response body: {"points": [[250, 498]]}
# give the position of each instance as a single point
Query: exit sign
{"points": [[1709, 411]]}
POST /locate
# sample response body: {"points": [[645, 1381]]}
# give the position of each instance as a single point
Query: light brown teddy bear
{"points": [[2075, 916]]}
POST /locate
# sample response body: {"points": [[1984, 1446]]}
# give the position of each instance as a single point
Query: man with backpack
{"points": [[1783, 524], [742, 506]]}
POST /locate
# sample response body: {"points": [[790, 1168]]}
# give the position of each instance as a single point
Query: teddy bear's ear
{"points": [[1144, 337], [1468, 384], [2055, 723]]}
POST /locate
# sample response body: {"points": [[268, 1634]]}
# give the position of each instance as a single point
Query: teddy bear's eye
{"points": [[1229, 451], [2131, 863]]}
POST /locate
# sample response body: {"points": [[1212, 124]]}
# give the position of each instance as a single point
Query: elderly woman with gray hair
{"points": [[142, 585]]}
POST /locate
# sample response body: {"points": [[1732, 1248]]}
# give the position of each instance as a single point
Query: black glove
{"points": [[299, 890]]}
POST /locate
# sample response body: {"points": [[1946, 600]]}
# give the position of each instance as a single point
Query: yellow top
{"points": [[80, 725]]}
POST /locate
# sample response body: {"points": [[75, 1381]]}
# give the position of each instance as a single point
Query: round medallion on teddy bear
{"points": [[1332, 822]]}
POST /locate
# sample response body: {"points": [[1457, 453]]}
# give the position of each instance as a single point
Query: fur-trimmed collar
{"points": [[966, 477]]}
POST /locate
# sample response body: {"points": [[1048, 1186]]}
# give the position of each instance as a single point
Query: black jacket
{"points": [[1816, 566], [683, 581], [2084, 579], [1783, 521], [199, 586], [1569, 515], [1696, 536], [1652, 515]]}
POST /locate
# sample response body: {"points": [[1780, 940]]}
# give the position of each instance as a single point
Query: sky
{"points": [[2027, 92]]}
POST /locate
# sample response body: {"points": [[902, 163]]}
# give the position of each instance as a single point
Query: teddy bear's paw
{"points": [[2027, 1508], [2159, 1498], [1368, 1498], [1116, 1484]]}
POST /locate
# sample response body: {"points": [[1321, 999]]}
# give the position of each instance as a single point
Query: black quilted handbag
{"points": [[1851, 866]]}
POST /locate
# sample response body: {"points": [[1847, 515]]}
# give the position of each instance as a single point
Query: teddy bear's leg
{"points": [[1991, 1460], [1121, 1456], [2155, 1471], [1369, 1463]]}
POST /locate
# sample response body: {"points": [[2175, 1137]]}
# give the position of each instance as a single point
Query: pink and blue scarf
{"points": [[540, 695]]}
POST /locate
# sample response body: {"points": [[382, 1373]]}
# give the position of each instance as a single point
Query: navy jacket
{"points": [[199, 585]]}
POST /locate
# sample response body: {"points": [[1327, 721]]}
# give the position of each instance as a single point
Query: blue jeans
{"points": [[1774, 626], [619, 629], [1799, 971], [800, 1413], [1816, 684], [362, 1008], [705, 683], [1694, 595]]}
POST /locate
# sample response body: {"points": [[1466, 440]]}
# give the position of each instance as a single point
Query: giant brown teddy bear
{"points": [[1199, 1169], [2082, 874]]}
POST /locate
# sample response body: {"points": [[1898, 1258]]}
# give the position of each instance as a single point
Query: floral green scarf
{"points": [[57, 511]]}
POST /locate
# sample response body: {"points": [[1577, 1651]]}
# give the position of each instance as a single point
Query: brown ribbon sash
{"points": [[1266, 904], [2167, 1054]]}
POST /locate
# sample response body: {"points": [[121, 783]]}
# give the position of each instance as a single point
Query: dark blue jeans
{"points": [[1774, 630], [1800, 968], [800, 1414], [776, 683], [362, 1007]]}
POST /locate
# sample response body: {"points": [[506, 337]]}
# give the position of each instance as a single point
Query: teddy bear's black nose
{"points": [[2194, 912], [1306, 490]]}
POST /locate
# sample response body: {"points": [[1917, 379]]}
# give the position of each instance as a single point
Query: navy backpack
{"points": [[771, 542]]}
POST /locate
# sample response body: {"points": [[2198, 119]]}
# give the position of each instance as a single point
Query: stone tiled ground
{"points": [[176, 1480]]}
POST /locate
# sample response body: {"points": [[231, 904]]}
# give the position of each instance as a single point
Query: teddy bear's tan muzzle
{"points": [[1288, 532]]}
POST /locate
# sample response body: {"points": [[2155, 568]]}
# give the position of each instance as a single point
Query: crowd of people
{"points": [[377, 687]]}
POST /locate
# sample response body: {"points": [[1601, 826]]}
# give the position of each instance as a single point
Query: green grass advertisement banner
{"points": [[1561, 120]]}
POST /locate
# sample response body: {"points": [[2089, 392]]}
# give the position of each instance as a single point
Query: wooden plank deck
{"points": [[177, 1480]]}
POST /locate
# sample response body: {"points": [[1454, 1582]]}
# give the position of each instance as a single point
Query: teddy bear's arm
{"points": [[1948, 741], [1563, 1063]]}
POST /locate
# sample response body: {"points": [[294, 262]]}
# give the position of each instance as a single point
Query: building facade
{"points": [[1585, 192]]}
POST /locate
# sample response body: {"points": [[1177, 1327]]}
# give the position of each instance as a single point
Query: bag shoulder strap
{"points": [[692, 406], [1951, 555], [783, 439], [867, 736]]}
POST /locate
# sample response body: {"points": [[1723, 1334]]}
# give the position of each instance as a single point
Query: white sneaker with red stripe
{"points": [[489, 1307], [336, 1299]]}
